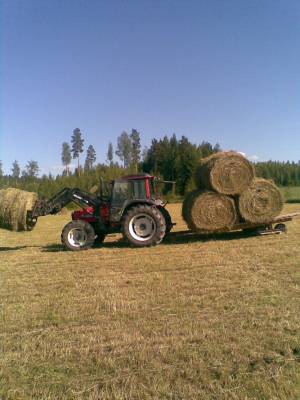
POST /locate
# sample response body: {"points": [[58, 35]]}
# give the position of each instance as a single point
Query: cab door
{"points": [[122, 193]]}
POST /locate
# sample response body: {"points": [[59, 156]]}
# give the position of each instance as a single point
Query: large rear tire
{"points": [[143, 226], [168, 219], [78, 235]]}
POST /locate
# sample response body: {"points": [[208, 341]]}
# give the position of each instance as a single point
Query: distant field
{"points": [[189, 319], [291, 194]]}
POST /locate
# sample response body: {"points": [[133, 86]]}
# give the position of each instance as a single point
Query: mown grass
{"points": [[189, 319], [291, 194]]}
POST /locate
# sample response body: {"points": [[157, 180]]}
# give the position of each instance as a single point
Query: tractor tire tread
{"points": [[78, 224], [160, 222], [168, 219]]}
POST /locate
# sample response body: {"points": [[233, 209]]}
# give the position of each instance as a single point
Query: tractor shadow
{"points": [[57, 248], [191, 237], [53, 248], [174, 238], [12, 248]]}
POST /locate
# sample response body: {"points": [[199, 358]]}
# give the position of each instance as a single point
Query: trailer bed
{"points": [[276, 220], [259, 229]]}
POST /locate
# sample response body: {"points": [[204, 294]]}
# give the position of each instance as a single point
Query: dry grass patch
{"points": [[188, 319]]}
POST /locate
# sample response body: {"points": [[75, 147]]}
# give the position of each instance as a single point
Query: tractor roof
{"points": [[136, 177]]}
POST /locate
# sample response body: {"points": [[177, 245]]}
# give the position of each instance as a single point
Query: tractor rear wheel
{"points": [[144, 225], [78, 235], [168, 219]]}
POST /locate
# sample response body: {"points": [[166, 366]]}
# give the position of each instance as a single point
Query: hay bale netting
{"points": [[14, 204], [209, 212], [260, 202], [226, 172]]}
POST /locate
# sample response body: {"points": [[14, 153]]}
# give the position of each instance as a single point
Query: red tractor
{"points": [[130, 205]]}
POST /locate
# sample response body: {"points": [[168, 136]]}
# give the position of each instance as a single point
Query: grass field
{"points": [[291, 193], [189, 319]]}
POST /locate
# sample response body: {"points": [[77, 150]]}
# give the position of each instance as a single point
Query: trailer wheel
{"points": [[144, 225], [78, 235], [281, 228]]}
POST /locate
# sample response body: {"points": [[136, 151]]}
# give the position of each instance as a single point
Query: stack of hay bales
{"points": [[229, 193], [14, 204]]}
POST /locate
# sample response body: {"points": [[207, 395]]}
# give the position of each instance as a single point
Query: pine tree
{"points": [[32, 169], [135, 149], [66, 157], [124, 149], [110, 154], [16, 170], [90, 158], [77, 146], [206, 149], [185, 164], [1, 169]]}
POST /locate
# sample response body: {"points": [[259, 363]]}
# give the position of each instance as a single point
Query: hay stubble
{"points": [[188, 319]]}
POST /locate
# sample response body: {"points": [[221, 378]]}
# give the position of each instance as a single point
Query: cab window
{"points": [[139, 190], [122, 191]]}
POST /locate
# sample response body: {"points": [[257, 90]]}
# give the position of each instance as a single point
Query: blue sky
{"points": [[222, 71]]}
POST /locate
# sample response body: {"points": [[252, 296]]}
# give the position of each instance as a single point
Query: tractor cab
{"points": [[130, 190], [133, 187]]}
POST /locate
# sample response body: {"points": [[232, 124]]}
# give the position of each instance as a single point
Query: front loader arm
{"points": [[60, 200]]}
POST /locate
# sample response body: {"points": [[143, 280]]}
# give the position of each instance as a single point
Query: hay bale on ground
{"points": [[14, 204], [209, 212], [260, 202], [226, 172]]}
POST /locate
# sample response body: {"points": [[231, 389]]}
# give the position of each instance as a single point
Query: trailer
{"points": [[276, 226]]}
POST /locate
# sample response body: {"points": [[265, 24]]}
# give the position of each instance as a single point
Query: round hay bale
{"points": [[260, 202], [209, 211], [14, 204], [226, 172]]}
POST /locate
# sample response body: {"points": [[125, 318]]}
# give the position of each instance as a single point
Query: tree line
{"points": [[170, 158], [282, 173], [128, 151]]}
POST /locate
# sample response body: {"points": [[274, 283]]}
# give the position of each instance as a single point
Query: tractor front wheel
{"points": [[144, 225], [78, 235]]}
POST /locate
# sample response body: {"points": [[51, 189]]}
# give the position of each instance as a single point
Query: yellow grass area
{"points": [[188, 319]]}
